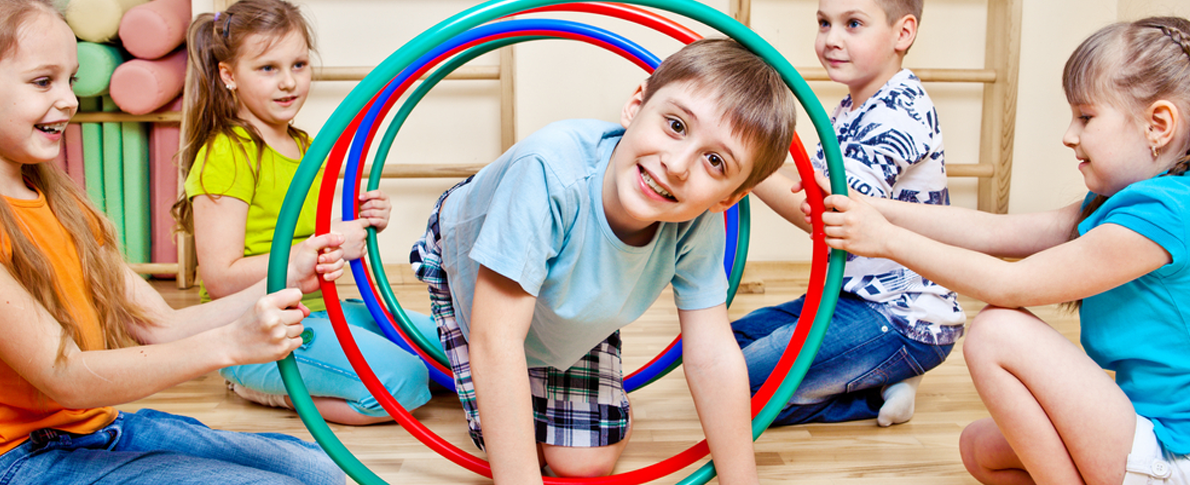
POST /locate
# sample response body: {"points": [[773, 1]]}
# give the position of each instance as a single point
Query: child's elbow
{"points": [[216, 285], [1004, 296], [68, 395]]}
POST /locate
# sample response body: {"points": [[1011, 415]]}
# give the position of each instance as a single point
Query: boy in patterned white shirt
{"points": [[890, 325]]}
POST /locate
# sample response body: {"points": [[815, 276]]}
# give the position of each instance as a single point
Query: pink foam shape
{"points": [[74, 154], [153, 30], [164, 139], [141, 86]]}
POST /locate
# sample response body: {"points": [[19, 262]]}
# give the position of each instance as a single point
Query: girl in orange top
{"points": [[82, 332]]}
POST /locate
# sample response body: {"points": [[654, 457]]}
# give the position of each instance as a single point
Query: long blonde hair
{"points": [[94, 237], [210, 110]]}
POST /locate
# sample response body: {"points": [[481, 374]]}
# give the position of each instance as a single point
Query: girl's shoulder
{"points": [[223, 144], [1173, 188], [1158, 208], [1163, 193]]}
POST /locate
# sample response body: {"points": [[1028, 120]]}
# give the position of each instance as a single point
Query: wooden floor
{"points": [[923, 451]]}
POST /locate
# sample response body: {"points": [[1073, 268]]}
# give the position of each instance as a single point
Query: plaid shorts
{"points": [[583, 406]]}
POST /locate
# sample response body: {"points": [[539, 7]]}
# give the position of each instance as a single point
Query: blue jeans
{"points": [[153, 447], [860, 354], [327, 373]]}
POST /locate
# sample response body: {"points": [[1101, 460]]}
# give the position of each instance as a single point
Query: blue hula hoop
{"points": [[657, 368]]}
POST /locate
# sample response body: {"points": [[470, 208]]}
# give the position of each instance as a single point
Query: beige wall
{"points": [[459, 121]]}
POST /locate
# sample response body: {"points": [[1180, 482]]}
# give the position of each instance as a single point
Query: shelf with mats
{"points": [[339, 73]]}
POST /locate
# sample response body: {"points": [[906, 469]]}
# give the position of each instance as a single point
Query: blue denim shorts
{"points": [[152, 447]]}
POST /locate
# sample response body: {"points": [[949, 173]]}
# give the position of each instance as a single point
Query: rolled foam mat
{"points": [[113, 173], [97, 62], [164, 139], [74, 154], [154, 29], [141, 86], [97, 20], [60, 160], [136, 191], [93, 154]]}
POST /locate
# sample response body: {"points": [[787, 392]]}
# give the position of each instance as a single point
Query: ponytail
{"points": [[210, 108]]}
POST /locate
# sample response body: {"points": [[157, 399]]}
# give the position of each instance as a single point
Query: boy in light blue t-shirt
{"points": [[539, 259]]}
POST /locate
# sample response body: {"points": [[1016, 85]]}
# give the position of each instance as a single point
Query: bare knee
{"points": [[600, 461], [988, 333], [340, 412], [988, 457], [968, 445], [568, 461]]}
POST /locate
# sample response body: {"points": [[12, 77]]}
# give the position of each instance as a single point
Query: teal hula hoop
{"points": [[407, 54]]}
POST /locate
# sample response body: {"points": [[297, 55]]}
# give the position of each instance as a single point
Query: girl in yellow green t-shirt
{"points": [[250, 76]]}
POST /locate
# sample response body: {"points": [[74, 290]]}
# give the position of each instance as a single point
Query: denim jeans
{"points": [[327, 372], [153, 447], [860, 354]]}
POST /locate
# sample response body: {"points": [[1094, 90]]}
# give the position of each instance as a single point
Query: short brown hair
{"points": [[896, 9], [754, 98]]}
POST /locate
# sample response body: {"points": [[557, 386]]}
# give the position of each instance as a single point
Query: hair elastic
{"points": [[226, 23]]}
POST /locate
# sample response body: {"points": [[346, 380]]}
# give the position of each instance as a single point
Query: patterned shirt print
{"points": [[892, 148]]}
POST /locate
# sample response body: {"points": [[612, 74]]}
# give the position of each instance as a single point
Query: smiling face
{"points": [[37, 100], [271, 80], [677, 159], [858, 47], [1111, 147]]}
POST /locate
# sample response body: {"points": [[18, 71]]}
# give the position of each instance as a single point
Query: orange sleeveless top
{"points": [[23, 408]]}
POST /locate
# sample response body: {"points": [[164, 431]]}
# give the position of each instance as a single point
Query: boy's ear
{"points": [[632, 107], [729, 201], [906, 29], [1162, 122]]}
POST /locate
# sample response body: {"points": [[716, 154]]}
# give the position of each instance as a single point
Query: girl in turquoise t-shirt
{"points": [[250, 74], [1121, 254]]}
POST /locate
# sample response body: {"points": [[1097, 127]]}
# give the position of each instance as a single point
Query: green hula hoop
{"points": [[443, 31]]}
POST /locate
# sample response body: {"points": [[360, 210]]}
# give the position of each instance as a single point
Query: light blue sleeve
{"points": [[522, 231], [699, 280]]}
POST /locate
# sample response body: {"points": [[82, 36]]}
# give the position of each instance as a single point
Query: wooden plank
{"points": [[986, 76], [398, 171], [100, 117], [187, 261], [356, 73], [155, 268], [741, 10], [997, 130], [508, 136], [982, 170]]}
